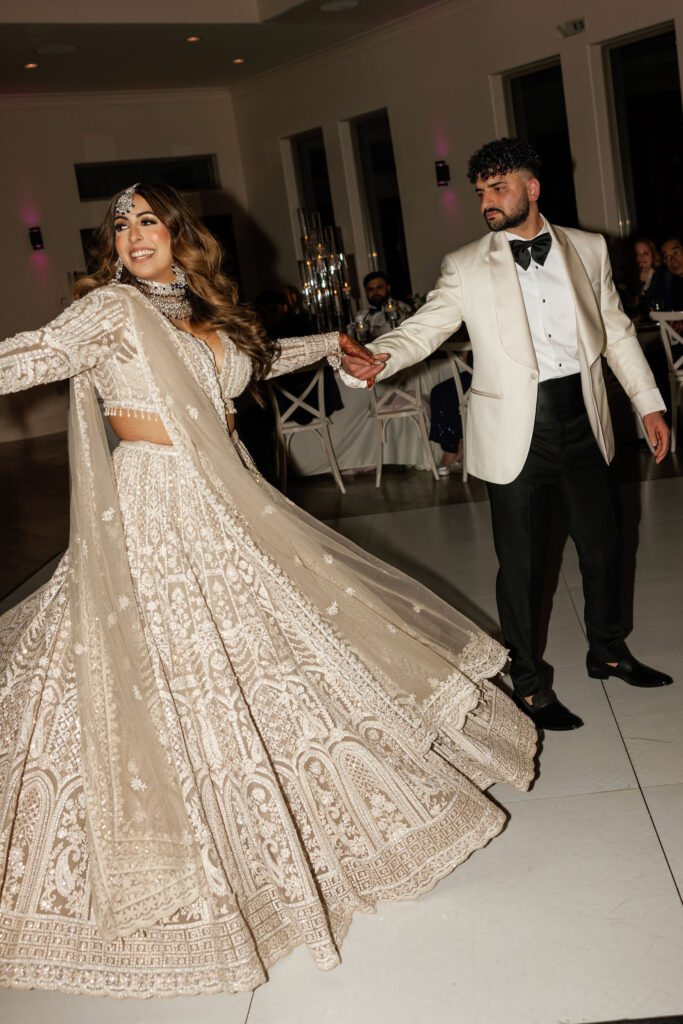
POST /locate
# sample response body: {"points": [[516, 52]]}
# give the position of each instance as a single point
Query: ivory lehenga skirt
{"points": [[304, 805]]}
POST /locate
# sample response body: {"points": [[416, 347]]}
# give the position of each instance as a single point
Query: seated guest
{"points": [[672, 255], [377, 317], [650, 285], [446, 425]]}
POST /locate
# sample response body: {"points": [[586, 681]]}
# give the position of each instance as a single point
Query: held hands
{"points": [[658, 432], [360, 363]]}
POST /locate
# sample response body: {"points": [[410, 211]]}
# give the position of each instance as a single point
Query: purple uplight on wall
{"points": [[36, 238]]}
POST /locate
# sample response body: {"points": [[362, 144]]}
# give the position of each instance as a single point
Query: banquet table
{"points": [[352, 430]]}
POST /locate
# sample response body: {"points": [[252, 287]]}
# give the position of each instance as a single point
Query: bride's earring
{"points": [[118, 269], [181, 280]]}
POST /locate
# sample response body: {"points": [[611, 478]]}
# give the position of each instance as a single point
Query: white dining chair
{"points": [[674, 361], [312, 401], [455, 351], [401, 398]]}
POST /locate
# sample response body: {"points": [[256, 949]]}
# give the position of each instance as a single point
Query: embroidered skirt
{"points": [[306, 805]]}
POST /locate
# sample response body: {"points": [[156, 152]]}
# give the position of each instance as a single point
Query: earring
{"points": [[118, 270], [181, 280]]}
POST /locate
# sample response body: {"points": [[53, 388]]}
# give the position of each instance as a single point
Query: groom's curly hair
{"points": [[502, 156]]}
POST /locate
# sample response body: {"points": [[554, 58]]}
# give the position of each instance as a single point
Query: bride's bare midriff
{"points": [[128, 428], [132, 428]]}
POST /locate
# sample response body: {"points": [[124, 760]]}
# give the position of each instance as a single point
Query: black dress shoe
{"points": [[629, 669], [546, 712]]}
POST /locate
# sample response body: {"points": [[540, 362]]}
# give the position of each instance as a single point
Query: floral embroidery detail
{"points": [[79, 648], [124, 602], [391, 627], [192, 412], [111, 619], [417, 608], [328, 559], [267, 510], [107, 515], [350, 591], [333, 609]]}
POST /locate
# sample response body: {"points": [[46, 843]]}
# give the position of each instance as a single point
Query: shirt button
{"points": [[534, 376]]}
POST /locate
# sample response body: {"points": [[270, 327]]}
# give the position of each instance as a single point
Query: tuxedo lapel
{"points": [[513, 326], [588, 315]]}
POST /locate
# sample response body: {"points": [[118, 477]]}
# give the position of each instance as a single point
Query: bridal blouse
{"points": [[223, 727]]}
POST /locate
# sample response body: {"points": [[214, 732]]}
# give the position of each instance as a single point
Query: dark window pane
{"points": [[185, 173], [314, 180], [647, 100], [382, 199], [540, 116]]}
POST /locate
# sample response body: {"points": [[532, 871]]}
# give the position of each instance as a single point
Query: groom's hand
{"points": [[658, 432], [360, 363]]}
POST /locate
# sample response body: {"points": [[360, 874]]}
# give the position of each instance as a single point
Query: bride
{"points": [[224, 727]]}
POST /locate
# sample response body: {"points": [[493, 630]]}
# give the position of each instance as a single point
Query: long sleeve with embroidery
{"points": [[297, 353], [82, 337]]}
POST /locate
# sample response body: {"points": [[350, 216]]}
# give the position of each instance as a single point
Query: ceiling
{"points": [[151, 54]]}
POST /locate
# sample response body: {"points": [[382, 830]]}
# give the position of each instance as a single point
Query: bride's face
{"points": [[144, 243]]}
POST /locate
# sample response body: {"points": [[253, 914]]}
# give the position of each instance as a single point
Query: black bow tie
{"points": [[538, 247]]}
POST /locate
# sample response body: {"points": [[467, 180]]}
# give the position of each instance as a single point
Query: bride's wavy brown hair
{"points": [[213, 296]]}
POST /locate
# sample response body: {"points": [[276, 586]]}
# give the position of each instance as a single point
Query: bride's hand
{"points": [[360, 363]]}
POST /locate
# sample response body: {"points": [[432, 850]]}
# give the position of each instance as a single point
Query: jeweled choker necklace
{"points": [[170, 299]]}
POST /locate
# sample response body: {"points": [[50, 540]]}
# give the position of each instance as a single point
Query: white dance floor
{"points": [[574, 913]]}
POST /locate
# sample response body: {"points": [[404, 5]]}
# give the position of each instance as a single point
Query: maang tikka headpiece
{"points": [[126, 201]]}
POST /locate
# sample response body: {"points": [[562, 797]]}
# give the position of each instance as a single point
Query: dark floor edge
{"points": [[676, 1019], [15, 589]]}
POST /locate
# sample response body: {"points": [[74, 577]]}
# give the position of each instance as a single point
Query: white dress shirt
{"points": [[550, 310]]}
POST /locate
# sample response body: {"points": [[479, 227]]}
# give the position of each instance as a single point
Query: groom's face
{"points": [[505, 199]]}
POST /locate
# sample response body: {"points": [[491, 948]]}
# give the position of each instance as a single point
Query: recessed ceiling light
{"points": [[29, 67], [338, 5], [238, 60], [55, 49], [192, 39]]}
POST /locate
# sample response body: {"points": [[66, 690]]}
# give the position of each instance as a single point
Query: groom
{"points": [[541, 309]]}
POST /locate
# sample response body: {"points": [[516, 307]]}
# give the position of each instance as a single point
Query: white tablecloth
{"points": [[353, 435]]}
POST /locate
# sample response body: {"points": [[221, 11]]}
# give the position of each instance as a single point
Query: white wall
{"points": [[438, 76], [42, 139]]}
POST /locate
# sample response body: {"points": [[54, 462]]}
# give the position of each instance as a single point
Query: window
{"points": [[184, 173], [539, 115], [384, 219], [649, 125], [313, 177]]}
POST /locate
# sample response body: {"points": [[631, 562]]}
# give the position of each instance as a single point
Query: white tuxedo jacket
{"points": [[479, 285]]}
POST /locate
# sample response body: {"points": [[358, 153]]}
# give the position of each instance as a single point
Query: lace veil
{"points": [[413, 659]]}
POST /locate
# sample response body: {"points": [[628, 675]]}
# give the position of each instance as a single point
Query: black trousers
{"points": [[564, 461]]}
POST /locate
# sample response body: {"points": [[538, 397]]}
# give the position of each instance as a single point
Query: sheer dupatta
{"points": [[143, 860], [413, 660]]}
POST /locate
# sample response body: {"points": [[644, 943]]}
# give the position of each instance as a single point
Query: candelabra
{"points": [[324, 272]]}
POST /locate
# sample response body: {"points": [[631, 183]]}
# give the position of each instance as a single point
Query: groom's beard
{"points": [[517, 215]]}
